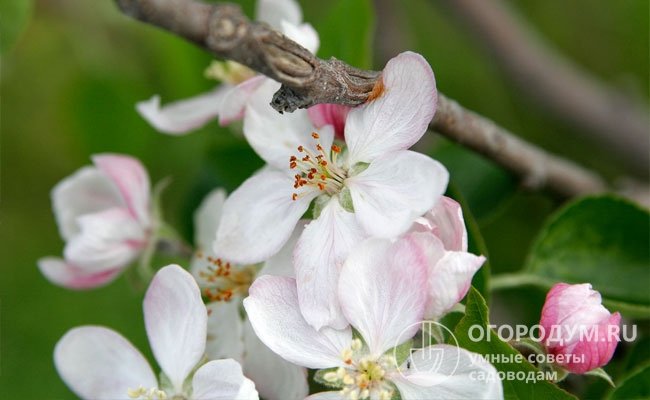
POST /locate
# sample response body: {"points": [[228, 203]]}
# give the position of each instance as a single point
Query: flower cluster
{"points": [[330, 258]]}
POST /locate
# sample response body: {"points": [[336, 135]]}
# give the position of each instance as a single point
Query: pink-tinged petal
{"points": [[225, 330], [176, 322], [445, 220], [273, 310], [108, 240], [60, 273], [281, 264], [131, 179], [233, 104], [258, 218], [98, 363], [87, 191], [383, 291], [303, 34], [319, 254], [398, 118], [396, 189], [222, 380], [207, 218], [181, 117], [447, 372], [329, 114], [326, 396], [275, 137], [286, 382], [273, 12]]}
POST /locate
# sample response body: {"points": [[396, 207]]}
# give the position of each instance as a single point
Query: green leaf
{"points": [[14, 15], [600, 373], [601, 240], [634, 386], [346, 31], [476, 314]]}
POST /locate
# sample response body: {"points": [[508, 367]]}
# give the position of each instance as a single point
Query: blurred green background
{"points": [[72, 71]]}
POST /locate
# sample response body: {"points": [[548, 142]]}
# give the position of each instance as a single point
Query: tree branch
{"points": [[307, 80]]}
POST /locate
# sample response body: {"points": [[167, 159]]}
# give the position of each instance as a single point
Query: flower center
{"points": [[147, 394], [365, 376], [222, 281], [318, 171], [230, 72]]}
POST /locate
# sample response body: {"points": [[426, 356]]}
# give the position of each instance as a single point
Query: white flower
{"points": [[98, 363], [104, 214], [383, 294], [230, 335], [228, 100], [375, 187]]}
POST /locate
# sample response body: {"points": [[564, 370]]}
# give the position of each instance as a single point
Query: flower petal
{"points": [[273, 12], [108, 240], [233, 104], [281, 264], [396, 189], [319, 254], [326, 396], [207, 218], [98, 363], [303, 34], [63, 274], [222, 380], [176, 322], [181, 117], [86, 191], [445, 220], [273, 310], [132, 180], [447, 372], [398, 118], [258, 218], [224, 338], [383, 291], [287, 382], [275, 137], [329, 114]]}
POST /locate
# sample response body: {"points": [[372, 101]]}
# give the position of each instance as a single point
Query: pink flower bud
{"points": [[577, 329]]}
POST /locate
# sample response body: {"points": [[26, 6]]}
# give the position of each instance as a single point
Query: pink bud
{"points": [[329, 114], [577, 329]]}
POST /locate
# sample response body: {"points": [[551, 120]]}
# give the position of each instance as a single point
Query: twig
{"points": [[307, 80], [562, 87]]}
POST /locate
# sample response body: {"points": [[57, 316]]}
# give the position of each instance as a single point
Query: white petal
{"points": [[395, 190], [383, 291], [281, 264], [319, 254], [225, 327], [286, 381], [131, 179], [233, 104], [98, 363], [273, 12], [303, 34], [86, 191], [63, 274], [222, 380], [275, 137], [273, 310], [207, 217], [258, 218], [326, 396], [400, 116], [445, 220], [176, 321], [447, 372], [108, 240], [182, 116]]}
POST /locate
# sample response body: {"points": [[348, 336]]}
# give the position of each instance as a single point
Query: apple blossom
{"points": [[383, 294], [451, 267], [239, 83], [375, 187], [576, 325], [104, 213], [99, 363], [229, 332], [330, 114]]}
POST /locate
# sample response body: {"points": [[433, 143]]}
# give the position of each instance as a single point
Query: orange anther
{"points": [[315, 135], [336, 148]]}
